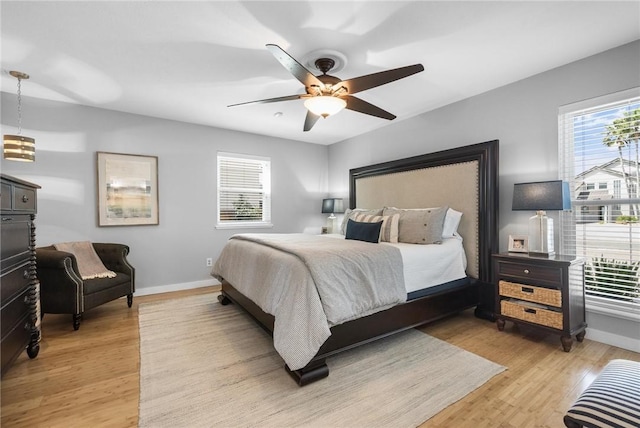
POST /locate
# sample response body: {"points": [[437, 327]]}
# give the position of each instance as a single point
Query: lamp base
{"points": [[332, 224], [541, 235]]}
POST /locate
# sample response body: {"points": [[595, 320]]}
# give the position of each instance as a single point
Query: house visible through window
{"points": [[599, 156], [244, 191]]}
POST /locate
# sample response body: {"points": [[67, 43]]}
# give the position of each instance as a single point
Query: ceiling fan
{"points": [[327, 95]]}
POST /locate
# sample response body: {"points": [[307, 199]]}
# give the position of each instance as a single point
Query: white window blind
{"points": [[244, 191], [599, 154]]}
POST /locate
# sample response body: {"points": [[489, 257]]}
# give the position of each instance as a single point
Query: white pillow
{"points": [[451, 223]]}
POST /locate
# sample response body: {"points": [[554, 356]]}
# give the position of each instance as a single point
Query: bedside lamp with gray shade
{"points": [[332, 206], [541, 196]]}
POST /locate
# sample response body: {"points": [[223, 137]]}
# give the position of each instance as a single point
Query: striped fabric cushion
{"points": [[389, 229], [612, 399]]}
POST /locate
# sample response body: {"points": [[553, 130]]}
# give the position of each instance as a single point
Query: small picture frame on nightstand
{"points": [[518, 244]]}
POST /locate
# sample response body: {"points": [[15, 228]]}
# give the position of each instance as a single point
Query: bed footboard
{"points": [[364, 330]]}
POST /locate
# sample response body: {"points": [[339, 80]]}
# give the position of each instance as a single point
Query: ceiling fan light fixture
{"points": [[325, 105]]}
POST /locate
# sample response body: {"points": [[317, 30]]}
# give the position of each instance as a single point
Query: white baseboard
{"points": [[145, 291], [612, 339]]}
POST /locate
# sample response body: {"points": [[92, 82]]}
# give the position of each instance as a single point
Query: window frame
{"points": [[265, 164], [566, 154]]}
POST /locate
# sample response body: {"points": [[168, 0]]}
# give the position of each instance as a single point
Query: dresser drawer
{"points": [[5, 197], [521, 311], [530, 272], [16, 237], [24, 199], [14, 281], [545, 296], [14, 311], [15, 342]]}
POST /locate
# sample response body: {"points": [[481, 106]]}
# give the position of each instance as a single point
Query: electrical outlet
{"points": [[209, 262]]}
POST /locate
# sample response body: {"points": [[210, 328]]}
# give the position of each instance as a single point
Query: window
{"points": [[244, 191], [598, 155]]}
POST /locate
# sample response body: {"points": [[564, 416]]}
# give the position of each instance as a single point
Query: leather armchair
{"points": [[63, 291]]}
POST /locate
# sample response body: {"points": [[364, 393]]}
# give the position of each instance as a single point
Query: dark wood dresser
{"points": [[19, 287], [543, 293]]}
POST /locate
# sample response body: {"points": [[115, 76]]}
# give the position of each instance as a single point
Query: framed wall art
{"points": [[518, 244], [127, 189]]}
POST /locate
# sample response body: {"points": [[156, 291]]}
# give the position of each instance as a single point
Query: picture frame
{"points": [[518, 244], [127, 189]]}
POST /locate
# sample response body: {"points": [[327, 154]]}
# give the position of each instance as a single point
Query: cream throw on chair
{"points": [[89, 264]]}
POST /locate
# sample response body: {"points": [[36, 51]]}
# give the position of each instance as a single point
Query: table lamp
{"points": [[332, 206], [541, 196]]}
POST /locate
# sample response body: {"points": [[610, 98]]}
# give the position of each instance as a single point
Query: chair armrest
{"points": [[114, 257], [54, 259], [60, 281]]}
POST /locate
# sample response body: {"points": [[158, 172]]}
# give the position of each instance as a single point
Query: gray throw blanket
{"points": [[311, 283], [353, 278]]}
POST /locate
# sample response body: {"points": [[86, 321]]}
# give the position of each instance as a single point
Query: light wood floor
{"points": [[89, 377]]}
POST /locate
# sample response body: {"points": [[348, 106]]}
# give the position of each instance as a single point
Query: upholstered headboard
{"points": [[463, 178]]}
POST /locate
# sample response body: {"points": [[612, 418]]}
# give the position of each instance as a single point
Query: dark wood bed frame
{"points": [[476, 292]]}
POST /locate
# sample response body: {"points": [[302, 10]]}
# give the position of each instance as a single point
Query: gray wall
{"points": [[171, 255], [524, 117]]}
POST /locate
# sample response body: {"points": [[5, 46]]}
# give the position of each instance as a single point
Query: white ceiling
{"points": [[187, 61]]}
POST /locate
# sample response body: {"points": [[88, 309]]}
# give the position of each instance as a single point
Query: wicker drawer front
{"points": [[535, 315], [546, 296]]}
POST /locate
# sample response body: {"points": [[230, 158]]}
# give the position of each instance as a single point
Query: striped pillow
{"points": [[389, 229], [612, 399]]}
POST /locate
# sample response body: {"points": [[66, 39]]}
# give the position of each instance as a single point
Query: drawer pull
{"points": [[6, 219], [530, 311], [25, 274], [25, 198], [527, 290], [526, 271], [26, 300]]}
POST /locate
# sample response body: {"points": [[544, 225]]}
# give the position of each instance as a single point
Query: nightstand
{"points": [[543, 293]]}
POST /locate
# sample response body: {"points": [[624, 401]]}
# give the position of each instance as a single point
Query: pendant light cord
{"points": [[19, 106]]}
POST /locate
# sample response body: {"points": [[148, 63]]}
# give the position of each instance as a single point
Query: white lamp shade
{"points": [[325, 105]]}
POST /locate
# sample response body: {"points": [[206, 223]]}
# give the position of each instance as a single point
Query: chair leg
{"points": [[76, 321], [129, 300]]}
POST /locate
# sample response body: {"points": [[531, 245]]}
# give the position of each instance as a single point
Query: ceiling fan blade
{"points": [[358, 84], [361, 106], [310, 120], [272, 100], [294, 67]]}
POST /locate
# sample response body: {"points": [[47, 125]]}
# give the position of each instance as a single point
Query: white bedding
{"points": [[425, 266]]}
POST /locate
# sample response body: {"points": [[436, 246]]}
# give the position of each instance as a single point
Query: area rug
{"points": [[207, 365]]}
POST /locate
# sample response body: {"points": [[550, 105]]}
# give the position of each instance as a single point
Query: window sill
{"points": [[244, 225], [624, 310]]}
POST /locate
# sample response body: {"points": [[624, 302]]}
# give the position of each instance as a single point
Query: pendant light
{"points": [[18, 147]]}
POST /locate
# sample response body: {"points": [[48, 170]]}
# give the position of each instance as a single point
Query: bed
{"points": [[463, 179]]}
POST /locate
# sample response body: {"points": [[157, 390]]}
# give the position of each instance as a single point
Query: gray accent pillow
{"points": [[420, 226], [351, 214]]}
